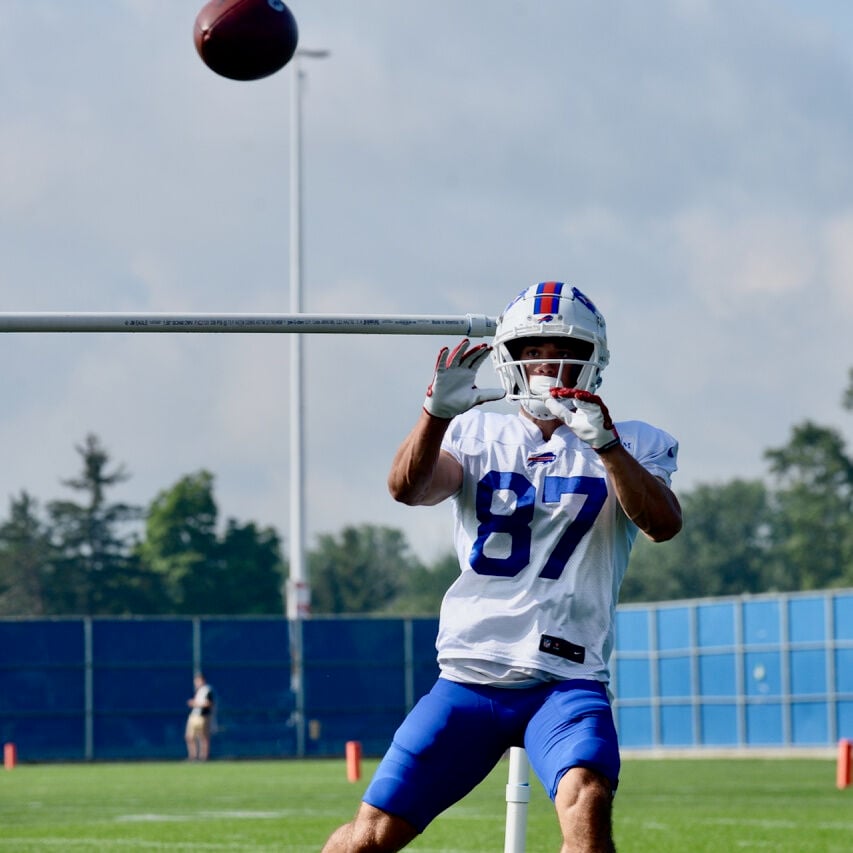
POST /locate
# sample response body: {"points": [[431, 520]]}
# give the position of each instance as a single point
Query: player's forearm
{"points": [[414, 477], [645, 499]]}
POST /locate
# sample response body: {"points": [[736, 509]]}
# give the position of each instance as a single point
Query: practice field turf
{"points": [[711, 805]]}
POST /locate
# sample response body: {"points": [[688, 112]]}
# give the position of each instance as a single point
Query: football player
{"points": [[546, 507]]}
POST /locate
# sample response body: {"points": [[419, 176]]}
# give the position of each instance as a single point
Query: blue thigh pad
{"points": [[446, 746], [573, 728]]}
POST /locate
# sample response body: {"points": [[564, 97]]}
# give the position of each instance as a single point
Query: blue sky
{"points": [[685, 163]]}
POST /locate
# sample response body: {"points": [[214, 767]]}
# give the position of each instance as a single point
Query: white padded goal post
{"points": [[467, 325]]}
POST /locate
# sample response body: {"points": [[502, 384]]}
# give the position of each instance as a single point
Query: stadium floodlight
{"points": [[297, 587], [468, 325]]}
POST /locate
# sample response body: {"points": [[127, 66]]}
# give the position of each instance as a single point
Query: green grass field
{"points": [[712, 805]]}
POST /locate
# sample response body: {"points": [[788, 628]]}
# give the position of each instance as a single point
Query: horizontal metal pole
{"points": [[470, 325]]}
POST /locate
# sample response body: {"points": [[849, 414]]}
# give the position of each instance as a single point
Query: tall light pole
{"points": [[298, 589]]}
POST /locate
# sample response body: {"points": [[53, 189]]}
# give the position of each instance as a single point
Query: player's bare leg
{"points": [[371, 830], [584, 804]]}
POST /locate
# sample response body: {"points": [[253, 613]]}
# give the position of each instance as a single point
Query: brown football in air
{"points": [[245, 39]]}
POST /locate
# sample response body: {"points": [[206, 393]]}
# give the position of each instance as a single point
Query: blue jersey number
{"points": [[516, 525]]}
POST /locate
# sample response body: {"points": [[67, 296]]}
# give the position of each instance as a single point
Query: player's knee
{"points": [[584, 807], [375, 831], [584, 790]]}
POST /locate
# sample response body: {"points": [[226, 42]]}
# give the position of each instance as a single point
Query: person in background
{"points": [[200, 719]]}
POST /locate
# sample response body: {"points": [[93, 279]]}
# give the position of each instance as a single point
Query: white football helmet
{"points": [[550, 309]]}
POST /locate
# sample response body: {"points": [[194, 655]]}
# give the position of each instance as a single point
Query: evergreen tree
{"points": [[92, 539], [26, 560], [812, 528]]}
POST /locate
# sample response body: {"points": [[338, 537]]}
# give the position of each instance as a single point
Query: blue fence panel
{"points": [[632, 629], [809, 723], [424, 663], [41, 689], [126, 643], [844, 670], [844, 719], [716, 624], [354, 682], [808, 672], [673, 628], [633, 678], [717, 675], [762, 671], [675, 677], [237, 641], [719, 725], [141, 678], [677, 725], [807, 619], [635, 724], [843, 616], [247, 662], [761, 622], [753, 672], [42, 693], [765, 724], [41, 642]]}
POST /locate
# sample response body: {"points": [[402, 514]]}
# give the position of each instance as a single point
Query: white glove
{"points": [[452, 390], [585, 415]]}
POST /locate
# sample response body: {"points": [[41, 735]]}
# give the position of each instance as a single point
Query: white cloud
{"points": [[685, 163], [838, 237], [733, 259]]}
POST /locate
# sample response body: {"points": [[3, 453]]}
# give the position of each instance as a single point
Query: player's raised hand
{"points": [[585, 415], [453, 389]]}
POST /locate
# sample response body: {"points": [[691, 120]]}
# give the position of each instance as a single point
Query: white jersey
{"points": [[202, 695], [543, 545]]}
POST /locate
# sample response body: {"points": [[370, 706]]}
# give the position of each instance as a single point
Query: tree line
{"points": [[88, 555], [791, 531]]}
